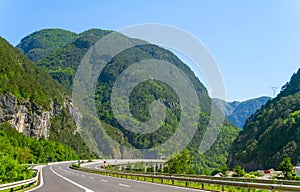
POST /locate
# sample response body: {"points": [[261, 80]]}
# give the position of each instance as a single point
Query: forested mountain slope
{"points": [[272, 132], [62, 62], [34, 103]]}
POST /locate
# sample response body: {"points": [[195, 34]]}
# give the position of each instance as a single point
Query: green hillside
{"points": [[21, 79], [39, 44], [271, 133], [59, 51], [62, 64]]}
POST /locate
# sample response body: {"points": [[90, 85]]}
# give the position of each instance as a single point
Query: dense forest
{"points": [[17, 149], [272, 133]]}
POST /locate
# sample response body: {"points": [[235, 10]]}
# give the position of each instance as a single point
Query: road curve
{"points": [[60, 178]]}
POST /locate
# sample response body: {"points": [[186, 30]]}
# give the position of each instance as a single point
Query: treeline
{"points": [[17, 149]]}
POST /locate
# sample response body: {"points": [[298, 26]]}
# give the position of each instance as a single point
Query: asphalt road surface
{"points": [[60, 178]]}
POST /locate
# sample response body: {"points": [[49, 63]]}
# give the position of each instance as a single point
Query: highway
{"points": [[96, 165], [60, 178]]}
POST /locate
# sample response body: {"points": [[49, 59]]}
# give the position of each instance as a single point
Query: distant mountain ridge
{"points": [[237, 112]]}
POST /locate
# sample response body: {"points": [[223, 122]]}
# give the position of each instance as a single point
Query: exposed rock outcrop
{"points": [[74, 112], [30, 119]]}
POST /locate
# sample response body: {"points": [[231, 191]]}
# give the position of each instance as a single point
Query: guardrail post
{"points": [[186, 184], [172, 181], [12, 189], [152, 179], [223, 188], [202, 187], [161, 181]]}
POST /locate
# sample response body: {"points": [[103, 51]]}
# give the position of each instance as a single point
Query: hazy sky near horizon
{"points": [[256, 43]]}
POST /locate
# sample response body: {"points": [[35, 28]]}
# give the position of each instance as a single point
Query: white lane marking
{"points": [[158, 184], [91, 177], [74, 183], [41, 181], [103, 180], [82, 175], [123, 185]]}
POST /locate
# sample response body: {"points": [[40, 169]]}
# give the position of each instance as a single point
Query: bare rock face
{"points": [[74, 112], [29, 118]]}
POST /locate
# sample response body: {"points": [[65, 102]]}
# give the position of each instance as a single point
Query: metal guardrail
{"points": [[202, 181], [13, 185], [249, 180]]}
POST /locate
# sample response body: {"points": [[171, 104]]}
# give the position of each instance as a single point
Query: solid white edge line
{"points": [[73, 182], [41, 181]]}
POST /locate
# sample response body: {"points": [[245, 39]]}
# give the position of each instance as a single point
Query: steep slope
{"points": [[272, 132], [238, 112], [62, 64], [35, 104]]}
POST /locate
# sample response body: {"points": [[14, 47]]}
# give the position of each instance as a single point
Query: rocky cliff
{"points": [[31, 119]]}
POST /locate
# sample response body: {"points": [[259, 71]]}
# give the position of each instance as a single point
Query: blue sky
{"points": [[256, 43]]}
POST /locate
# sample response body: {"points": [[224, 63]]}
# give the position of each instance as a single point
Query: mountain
{"points": [[35, 104], [59, 51], [62, 63], [272, 133], [238, 112], [39, 44]]}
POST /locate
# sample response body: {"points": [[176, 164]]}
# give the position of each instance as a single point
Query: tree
{"points": [[240, 171], [224, 169], [181, 163], [286, 167]]}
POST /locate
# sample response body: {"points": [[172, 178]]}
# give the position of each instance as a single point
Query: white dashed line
{"points": [[103, 180], [123, 185], [91, 177]]}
